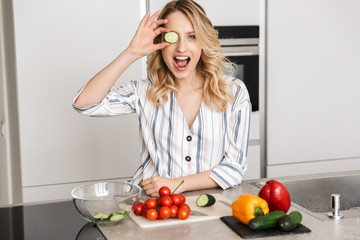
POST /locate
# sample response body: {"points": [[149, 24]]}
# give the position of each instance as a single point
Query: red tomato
{"points": [[183, 213], [145, 211], [173, 210], [176, 199], [164, 191], [183, 198], [165, 201], [152, 214], [139, 208], [164, 212], [150, 203], [184, 205]]}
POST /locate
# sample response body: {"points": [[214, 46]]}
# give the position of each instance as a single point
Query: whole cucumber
{"points": [[266, 221], [290, 221]]}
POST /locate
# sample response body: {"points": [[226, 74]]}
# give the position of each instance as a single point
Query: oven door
{"points": [[247, 70]]}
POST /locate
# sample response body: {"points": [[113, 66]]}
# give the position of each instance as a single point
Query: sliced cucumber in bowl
{"points": [[112, 217], [101, 216]]}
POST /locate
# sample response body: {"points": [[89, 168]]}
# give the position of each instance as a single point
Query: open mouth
{"points": [[181, 62]]}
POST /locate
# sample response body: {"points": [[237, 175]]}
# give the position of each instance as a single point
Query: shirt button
{"points": [[188, 158], [189, 138]]}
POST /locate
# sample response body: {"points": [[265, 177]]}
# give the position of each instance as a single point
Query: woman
{"points": [[194, 121]]}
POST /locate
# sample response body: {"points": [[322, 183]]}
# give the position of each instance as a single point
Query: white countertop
{"points": [[347, 228]]}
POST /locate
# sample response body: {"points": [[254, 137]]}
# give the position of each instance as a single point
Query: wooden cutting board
{"points": [[219, 209]]}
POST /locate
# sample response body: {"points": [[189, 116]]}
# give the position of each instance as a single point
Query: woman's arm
{"points": [[192, 182], [230, 171], [141, 45]]}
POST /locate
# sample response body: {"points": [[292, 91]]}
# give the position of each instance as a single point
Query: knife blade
{"points": [[197, 213]]}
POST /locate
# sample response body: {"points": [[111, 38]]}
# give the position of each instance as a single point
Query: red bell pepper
{"points": [[276, 195]]}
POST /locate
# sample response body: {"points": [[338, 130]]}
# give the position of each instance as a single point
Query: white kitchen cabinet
{"points": [[253, 160], [10, 180], [313, 167], [4, 159], [254, 149], [60, 45], [312, 78], [225, 12], [4, 198]]}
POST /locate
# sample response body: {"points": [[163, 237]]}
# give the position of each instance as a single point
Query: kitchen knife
{"points": [[197, 213]]}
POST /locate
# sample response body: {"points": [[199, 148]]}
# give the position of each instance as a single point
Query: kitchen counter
{"points": [[215, 229], [60, 220]]}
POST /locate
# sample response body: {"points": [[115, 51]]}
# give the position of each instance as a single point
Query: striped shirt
{"points": [[169, 148]]}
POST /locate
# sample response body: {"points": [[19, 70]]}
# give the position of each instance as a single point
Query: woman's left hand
{"points": [[152, 185], [149, 28]]}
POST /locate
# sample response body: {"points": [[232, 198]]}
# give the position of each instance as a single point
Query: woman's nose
{"points": [[181, 45]]}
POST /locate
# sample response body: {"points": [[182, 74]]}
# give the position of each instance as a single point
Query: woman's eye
{"points": [[192, 37]]}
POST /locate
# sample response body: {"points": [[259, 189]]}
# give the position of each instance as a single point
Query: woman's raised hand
{"points": [[142, 43]]}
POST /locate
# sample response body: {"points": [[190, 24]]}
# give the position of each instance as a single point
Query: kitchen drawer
{"points": [[303, 168]]}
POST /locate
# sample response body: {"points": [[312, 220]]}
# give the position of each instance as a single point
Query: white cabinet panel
{"points": [[255, 126], [225, 12], [60, 45], [313, 104], [253, 159], [10, 180], [4, 160], [54, 192], [305, 168]]}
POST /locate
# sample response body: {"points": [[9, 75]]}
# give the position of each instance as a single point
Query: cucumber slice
{"points": [[205, 200], [123, 212], [114, 217], [100, 216], [171, 37]]}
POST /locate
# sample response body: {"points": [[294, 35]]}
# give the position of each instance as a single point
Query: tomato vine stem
{"points": [[177, 187]]}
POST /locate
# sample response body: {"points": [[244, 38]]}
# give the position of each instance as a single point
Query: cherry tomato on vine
{"points": [[183, 198], [173, 210], [152, 214], [139, 208], [164, 191], [185, 205], [176, 199], [164, 212], [183, 213], [145, 211], [150, 203], [165, 201]]}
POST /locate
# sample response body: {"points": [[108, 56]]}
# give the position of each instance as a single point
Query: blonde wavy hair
{"points": [[211, 65]]}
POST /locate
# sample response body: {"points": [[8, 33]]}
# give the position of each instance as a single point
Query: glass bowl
{"points": [[106, 202]]}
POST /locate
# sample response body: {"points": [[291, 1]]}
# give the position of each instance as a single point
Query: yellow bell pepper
{"points": [[248, 206]]}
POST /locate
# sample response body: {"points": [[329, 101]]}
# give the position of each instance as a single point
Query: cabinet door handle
{"points": [[3, 130]]}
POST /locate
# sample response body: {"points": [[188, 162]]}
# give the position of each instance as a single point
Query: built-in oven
{"points": [[241, 46]]}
